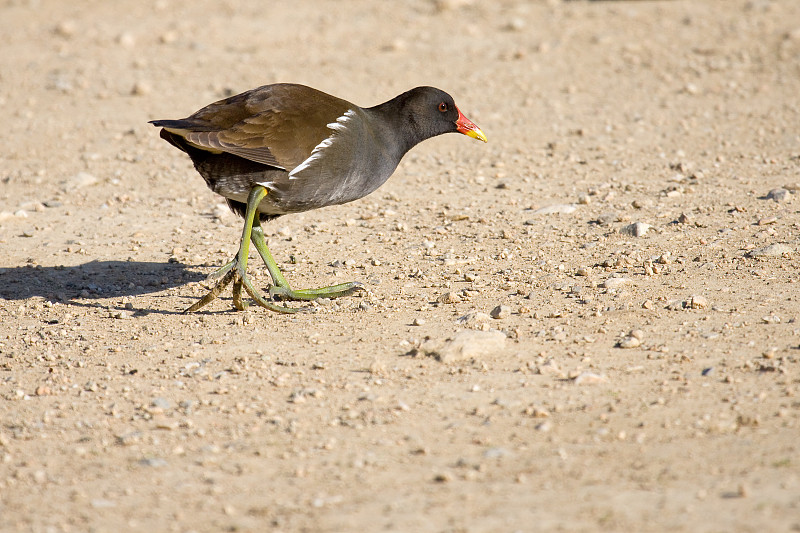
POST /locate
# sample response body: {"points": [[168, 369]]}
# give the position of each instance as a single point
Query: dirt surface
{"points": [[632, 225]]}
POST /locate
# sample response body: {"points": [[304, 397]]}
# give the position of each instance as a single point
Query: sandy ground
{"points": [[634, 215]]}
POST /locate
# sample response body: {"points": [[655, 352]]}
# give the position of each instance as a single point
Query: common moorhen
{"points": [[287, 148]]}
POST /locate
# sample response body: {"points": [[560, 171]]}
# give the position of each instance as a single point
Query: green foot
{"points": [[334, 291], [236, 274], [235, 271], [280, 288]]}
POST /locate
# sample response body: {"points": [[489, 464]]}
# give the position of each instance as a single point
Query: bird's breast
{"points": [[347, 165]]}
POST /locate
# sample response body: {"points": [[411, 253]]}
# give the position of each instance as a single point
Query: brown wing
{"points": [[277, 125]]}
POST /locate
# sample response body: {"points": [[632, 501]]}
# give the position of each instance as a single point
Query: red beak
{"points": [[468, 128]]}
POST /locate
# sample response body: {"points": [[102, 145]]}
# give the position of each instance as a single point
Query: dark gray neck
{"points": [[396, 131]]}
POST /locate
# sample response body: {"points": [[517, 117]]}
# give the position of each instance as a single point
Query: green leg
{"points": [[236, 271], [281, 288]]}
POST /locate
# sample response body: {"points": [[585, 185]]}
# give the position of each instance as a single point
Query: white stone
{"points": [[565, 209], [466, 344]]}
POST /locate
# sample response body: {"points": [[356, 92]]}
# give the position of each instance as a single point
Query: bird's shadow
{"points": [[84, 285]]}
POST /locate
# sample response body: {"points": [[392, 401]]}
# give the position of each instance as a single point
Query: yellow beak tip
{"points": [[477, 134]]}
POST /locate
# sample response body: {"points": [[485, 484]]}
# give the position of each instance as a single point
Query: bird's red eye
{"points": [[443, 107]]}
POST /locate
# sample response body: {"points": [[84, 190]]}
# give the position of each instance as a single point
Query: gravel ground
{"points": [[589, 323]]}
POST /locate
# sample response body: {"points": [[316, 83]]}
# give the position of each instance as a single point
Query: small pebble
{"points": [[395, 45], [549, 368], [565, 209], [418, 322], [537, 412], [773, 250], [161, 403], [81, 179], [778, 195], [637, 229], [589, 378], [155, 462], [126, 39], [449, 298], [697, 302], [616, 283], [102, 503], [168, 37], [500, 312], [471, 277], [33, 206], [629, 342], [675, 305], [474, 317], [162, 422], [515, 24], [496, 453], [607, 218], [66, 29], [141, 88], [466, 344]]}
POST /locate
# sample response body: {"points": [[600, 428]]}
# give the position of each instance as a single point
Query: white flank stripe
{"points": [[339, 126]]}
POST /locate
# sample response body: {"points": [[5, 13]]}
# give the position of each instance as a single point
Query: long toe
{"points": [[215, 291], [334, 291], [220, 272], [259, 298], [234, 273]]}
